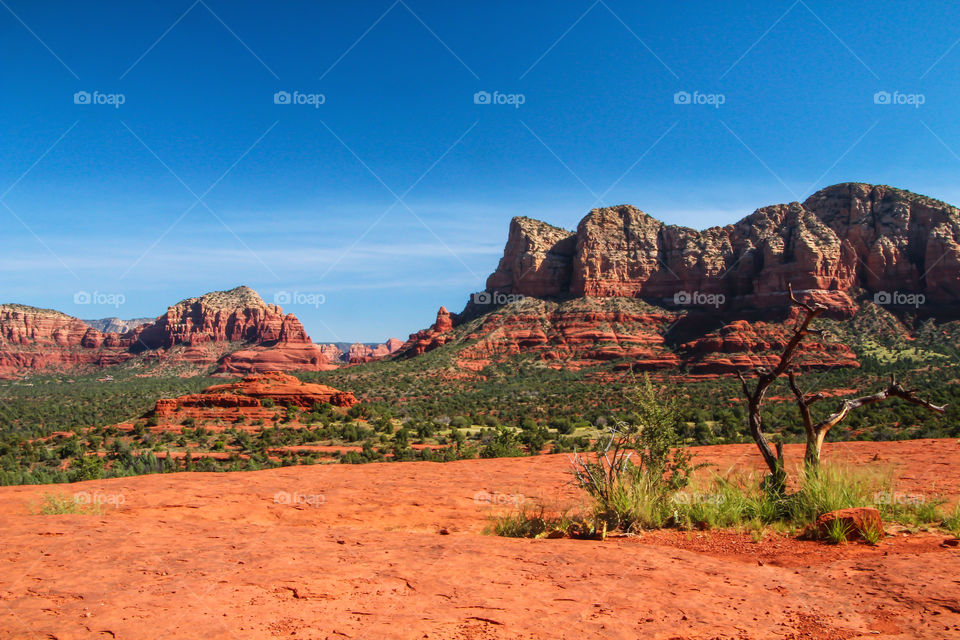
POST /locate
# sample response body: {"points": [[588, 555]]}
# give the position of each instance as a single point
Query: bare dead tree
{"points": [[765, 378], [815, 432]]}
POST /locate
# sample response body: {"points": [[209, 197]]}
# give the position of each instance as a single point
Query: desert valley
{"points": [[420, 320], [485, 483]]}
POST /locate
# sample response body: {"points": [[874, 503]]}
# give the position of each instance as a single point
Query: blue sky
{"points": [[394, 195]]}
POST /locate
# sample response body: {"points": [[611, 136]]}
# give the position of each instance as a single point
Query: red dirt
{"points": [[338, 551]]}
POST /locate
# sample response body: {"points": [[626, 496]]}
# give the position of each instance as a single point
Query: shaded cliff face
{"points": [[841, 239], [537, 260]]}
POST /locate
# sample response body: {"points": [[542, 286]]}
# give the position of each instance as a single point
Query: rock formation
{"points": [[428, 339], [276, 357], [720, 294], [234, 329], [32, 338], [237, 315], [243, 399], [841, 239]]}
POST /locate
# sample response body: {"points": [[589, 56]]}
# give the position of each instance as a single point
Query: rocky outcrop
{"points": [[244, 399], [428, 339], [720, 295], [572, 335], [277, 357], [842, 239], [285, 389], [627, 333], [744, 346], [359, 352]]}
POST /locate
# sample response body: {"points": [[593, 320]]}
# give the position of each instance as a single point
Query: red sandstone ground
{"points": [[337, 551]]}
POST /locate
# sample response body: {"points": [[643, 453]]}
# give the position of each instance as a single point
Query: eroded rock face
{"points": [[729, 284], [359, 352], [634, 335], [428, 339], [32, 338], [238, 315], [537, 260], [744, 346], [243, 399], [278, 357], [235, 328], [842, 238]]}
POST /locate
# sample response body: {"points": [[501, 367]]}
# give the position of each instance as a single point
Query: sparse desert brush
{"points": [[872, 534], [526, 521], [952, 521], [61, 503], [836, 486]]}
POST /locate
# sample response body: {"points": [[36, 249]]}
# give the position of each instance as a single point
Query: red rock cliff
{"points": [[841, 238]]}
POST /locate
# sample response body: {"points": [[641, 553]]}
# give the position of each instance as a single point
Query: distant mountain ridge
{"points": [[116, 325], [235, 329]]}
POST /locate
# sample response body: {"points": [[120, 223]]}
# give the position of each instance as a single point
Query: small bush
{"points": [[952, 521], [532, 521], [637, 466], [872, 534], [837, 531], [61, 503]]}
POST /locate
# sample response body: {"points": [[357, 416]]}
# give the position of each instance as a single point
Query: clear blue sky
{"points": [[294, 198]]}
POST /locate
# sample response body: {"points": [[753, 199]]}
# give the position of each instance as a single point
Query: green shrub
{"points": [[60, 503], [837, 531], [952, 522]]}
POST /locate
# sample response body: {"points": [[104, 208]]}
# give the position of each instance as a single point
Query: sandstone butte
{"points": [[625, 286], [234, 329], [243, 398]]}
